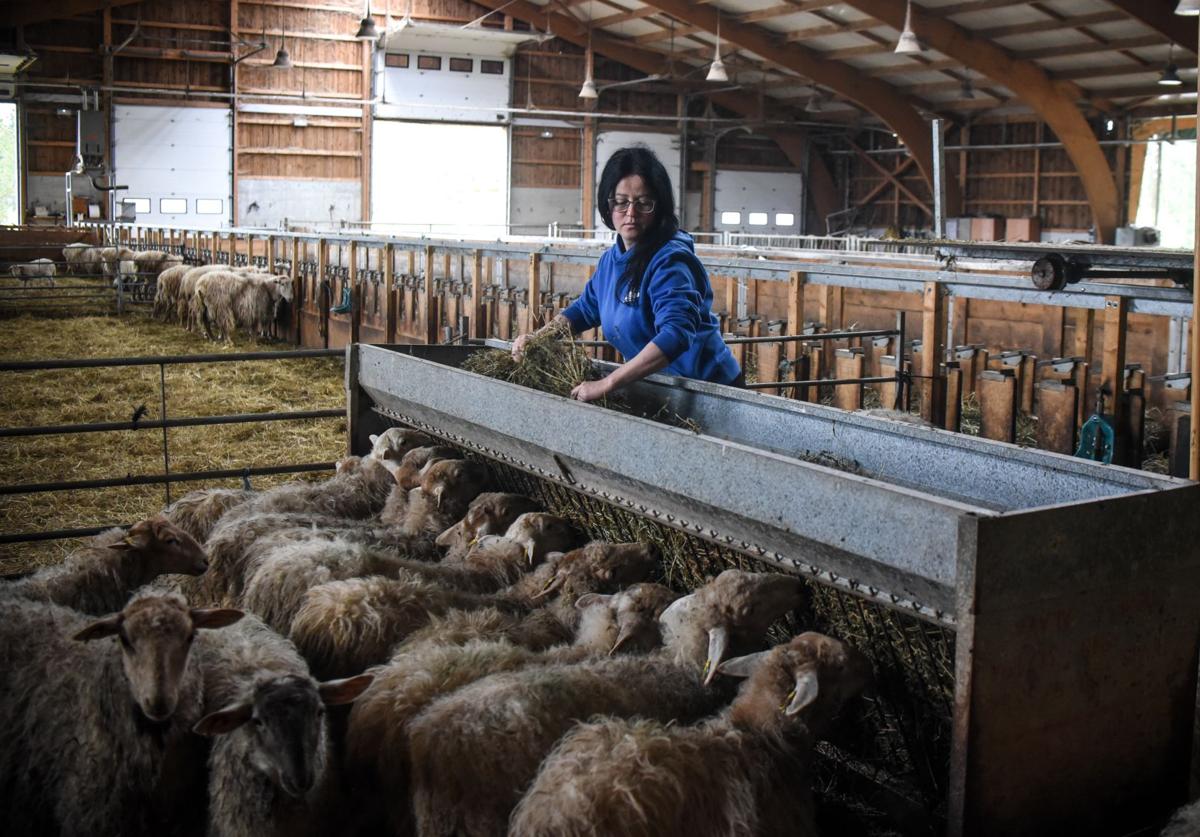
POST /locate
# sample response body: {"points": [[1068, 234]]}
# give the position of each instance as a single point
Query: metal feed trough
{"points": [[1071, 587]]}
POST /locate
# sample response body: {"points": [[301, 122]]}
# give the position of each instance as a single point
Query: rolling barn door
{"points": [[176, 163]]}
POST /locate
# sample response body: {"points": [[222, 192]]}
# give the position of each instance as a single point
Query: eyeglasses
{"points": [[643, 206]]}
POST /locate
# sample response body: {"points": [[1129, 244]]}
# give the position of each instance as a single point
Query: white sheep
{"points": [[444, 495], [744, 772], [269, 769], [90, 723], [82, 259], [377, 763], [490, 513], [101, 576], [119, 263], [475, 751], [407, 474], [166, 292], [154, 262], [197, 512], [36, 269]]}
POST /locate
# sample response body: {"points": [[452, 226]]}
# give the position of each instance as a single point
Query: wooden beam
{"points": [[884, 101], [30, 12], [933, 353], [1054, 102], [890, 177], [1160, 18]]}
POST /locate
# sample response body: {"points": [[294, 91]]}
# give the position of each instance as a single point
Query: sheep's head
{"points": [[489, 514], [281, 288], [156, 634], [730, 614], [398, 440], [624, 621], [285, 718], [541, 533], [453, 483], [408, 468], [601, 567], [161, 548], [805, 680]]}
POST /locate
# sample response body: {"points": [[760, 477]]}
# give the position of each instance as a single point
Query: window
{"points": [[209, 206], [757, 219], [784, 219], [172, 206], [495, 68], [429, 62], [731, 217], [140, 205], [462, 65], [393, 59]]}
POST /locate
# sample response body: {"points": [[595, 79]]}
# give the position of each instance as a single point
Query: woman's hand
{"points": [[518, 346], [591, 390]]}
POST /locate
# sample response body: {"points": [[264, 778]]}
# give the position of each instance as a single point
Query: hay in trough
{"points": [[78, 396]]}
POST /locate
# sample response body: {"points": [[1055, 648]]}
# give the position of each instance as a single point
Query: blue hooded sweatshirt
{"points": [[673, 310]]}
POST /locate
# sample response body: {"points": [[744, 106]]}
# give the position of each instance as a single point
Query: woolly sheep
{"points": [[166, 293], [376, 741], [446, 491], [118, 262], [1184, 823], [491, 513], [101, 577], [744, 772], [80, 756], [475, 751], [154, 262], [347, 625], [36, 269], [82, 259], [269, 766], [407, 474], [197, 512]]}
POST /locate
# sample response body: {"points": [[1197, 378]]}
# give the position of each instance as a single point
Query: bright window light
{"points": [[172, 206], [757, 219], [140, 205], [731, 218], [209, 206], [784, 219]]}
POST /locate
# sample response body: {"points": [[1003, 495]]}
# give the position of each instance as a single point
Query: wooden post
{"points": [[849, 364], [355, 294], [933, 354], [998, 405], [953, 400], [1057, 408], [412, 262], [832, 305], [477, 325], [1116, 315], [389, 290], [534, 299], [587, 206], [232, 248], [1135, 412], [429, 308], [795, 326]]}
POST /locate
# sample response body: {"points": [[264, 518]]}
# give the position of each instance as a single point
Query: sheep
{"points": [[269, 765], [407, 474], [347, 625], [258, 304], [166, 292], [187, 311], [36, 269], [214, 302], [154, 262], [82, 259], [376, 741], [1184, 823], [475, 751], [100, 577], [446, 490], [197, 512], [744, 772], [90, 725], [490, 513], [118, 262]]}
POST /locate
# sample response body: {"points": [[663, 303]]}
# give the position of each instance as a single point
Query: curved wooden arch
{"points": [[1053, 101]]}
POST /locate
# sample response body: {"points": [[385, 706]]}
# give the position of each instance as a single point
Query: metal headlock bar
{"points": [[1066, 583]]}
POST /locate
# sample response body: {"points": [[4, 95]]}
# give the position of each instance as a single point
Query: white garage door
{"points": [[439, 179], [176, 163]]}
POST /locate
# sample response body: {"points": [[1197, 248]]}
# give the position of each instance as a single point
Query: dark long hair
{"points": [[639, 160]]}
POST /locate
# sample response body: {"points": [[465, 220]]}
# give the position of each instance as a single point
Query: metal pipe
{"points": [[1194, 435], [200, 421], [158, 479], [93, 363], [939, 180], [1017, 146], [837, 382]]}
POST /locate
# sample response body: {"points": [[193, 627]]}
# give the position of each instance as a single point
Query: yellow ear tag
{"points": [[549, 583], [707, 666], [127, 541], [473, 542], [787, 701]]}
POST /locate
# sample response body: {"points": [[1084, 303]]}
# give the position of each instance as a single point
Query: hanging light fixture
{"points": [[816, 102], [716, 72], [1188, 8], [283, 60], [1170, 74], [908, 43], [588, 91], [367, 30]]}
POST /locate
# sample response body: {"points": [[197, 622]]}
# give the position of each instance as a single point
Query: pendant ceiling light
{"points": [[588, 91], [908, 43], [1170, 74], [283, 61], [1188, 8], [716, 72]]}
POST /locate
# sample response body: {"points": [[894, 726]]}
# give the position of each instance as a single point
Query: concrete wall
{"points": [[265, 203], [531, 210]]}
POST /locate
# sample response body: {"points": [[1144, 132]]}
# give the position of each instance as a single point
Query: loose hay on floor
{"points": [[79, 396]]}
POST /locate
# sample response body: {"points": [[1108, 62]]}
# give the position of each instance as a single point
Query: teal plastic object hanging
{"points": [[1096, 439], [345, 305]]}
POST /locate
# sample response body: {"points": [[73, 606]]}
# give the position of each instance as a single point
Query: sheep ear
{"points": [[374, 437], [224, 720], [138, 537], [718, 644], [337, 692], [804, 693], [451, 535], [215, 617], [742, 666], [588, 599], [99, 629]]}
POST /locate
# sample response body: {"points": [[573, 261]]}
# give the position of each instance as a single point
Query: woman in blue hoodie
{"points": [[650, 294]]}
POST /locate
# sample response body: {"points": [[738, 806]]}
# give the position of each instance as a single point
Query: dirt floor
{"points": [[33, 331]]}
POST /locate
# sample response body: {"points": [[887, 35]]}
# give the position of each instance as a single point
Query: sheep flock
{"points": [[401, 649]]}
